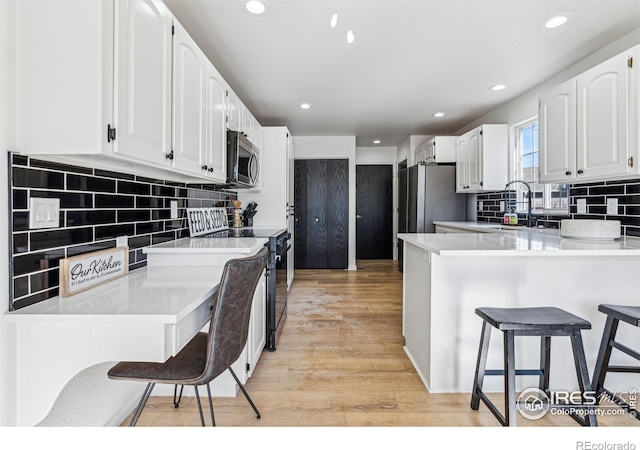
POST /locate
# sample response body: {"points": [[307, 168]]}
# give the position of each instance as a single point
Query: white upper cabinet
{"points": [[482, 159], [65, 69], [585, 132], [215, 154], [437, 150], [557, 129], [142, 84], [189, 75], [234, 111], [120, 84]]}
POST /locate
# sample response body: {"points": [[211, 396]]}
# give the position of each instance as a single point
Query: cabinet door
{"points": [[474, 158], [215, 129], [257, 329], [234, 111], [188, 103], [557, 122], [247, 123], [462, 164], [602, 105], [142, 113]]}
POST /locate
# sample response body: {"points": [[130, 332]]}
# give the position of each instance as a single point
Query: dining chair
{"points": [[208, 354]]}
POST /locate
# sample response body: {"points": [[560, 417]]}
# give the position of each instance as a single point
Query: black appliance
{"points": [[279, 244], [242, 161], [427, 192]]}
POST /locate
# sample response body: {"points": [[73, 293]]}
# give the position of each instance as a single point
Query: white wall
{"points": [[334, 147], [384, 155], [7, 364], [407, 148]]}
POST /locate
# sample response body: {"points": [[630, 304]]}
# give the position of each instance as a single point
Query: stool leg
{"points": [[509, 379], [604, 354], [583, 374], [545, 363], [481, 365]]}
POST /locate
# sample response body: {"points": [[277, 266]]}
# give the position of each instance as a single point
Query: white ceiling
{"points": [[410, 58]]}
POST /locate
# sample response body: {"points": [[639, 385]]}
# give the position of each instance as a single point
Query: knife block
{"points": [[248, 222]]}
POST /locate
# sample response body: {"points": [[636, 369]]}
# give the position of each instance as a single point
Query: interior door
{"points": [[321, 214], [374, 212]]}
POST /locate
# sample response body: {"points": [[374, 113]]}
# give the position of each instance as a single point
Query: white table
{"points": [[148, 315]]}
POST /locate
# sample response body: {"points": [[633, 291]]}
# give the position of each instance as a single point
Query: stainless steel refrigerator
{"points": [[427, 193]]}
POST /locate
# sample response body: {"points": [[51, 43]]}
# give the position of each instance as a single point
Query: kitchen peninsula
{"points": [[448, 276]]}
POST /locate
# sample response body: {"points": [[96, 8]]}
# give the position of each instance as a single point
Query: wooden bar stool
{"points": [[543, 322], [615, 313]]}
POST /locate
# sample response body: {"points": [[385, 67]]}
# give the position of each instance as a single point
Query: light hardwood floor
{"points": [[340, 362]]}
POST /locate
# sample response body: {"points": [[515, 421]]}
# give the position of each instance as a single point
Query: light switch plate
{"points": [[174, 209], [612, 206], [44, 213], [122, 241], [502, 206], [582, 206]]}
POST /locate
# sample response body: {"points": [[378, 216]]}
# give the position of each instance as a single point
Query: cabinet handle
{"points": [[204, 167], [210, 169], [568, 172], [580, 172], [169, 155]]}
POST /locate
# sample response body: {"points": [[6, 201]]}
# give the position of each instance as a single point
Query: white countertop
{"points": [[519, 241], [149, 294], [209, 245]]}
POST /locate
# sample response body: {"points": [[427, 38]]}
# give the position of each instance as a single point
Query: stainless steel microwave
{"points": [[243, 168]]}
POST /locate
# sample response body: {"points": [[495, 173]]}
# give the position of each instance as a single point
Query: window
{"points": [[545, 197]]}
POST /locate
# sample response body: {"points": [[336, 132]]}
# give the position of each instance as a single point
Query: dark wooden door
{"points": [[374, 212], [321, 213]]}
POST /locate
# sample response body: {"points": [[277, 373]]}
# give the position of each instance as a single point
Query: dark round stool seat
{"points": [[543, 322]]}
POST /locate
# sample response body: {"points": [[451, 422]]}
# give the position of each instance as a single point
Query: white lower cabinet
{"points": [[257, 327], [588, 125]]}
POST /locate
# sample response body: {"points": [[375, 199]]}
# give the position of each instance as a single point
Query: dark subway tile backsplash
{"points": [[96, 206], [595, 194]]}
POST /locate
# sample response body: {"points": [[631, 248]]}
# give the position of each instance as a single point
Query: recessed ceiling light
{"points": [[350, 37], [376, 141], [438, 114], [556, 21], [256, 7], [305, 106], [334, 20], [497, 87]]}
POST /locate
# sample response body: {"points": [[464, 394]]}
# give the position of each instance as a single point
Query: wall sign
{"points": [[88, 270], [206, 220]]}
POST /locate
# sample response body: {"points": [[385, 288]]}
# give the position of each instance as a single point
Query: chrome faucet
{"points": [[507, 198]]}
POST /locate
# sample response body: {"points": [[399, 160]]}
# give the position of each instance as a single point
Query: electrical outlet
{"points": [[174, 209], [480, 205], [502, 206], [582, 206], [612, 206], [122, 241]]}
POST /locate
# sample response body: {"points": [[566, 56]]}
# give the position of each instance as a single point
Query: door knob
{"points": [[317, 220], [358, 216]]}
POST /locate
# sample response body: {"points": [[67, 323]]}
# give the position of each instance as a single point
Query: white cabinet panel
{"points": [[142, 83], [188, 102], [603, 109], [557, 129], [257, 329], [215, 157]]}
